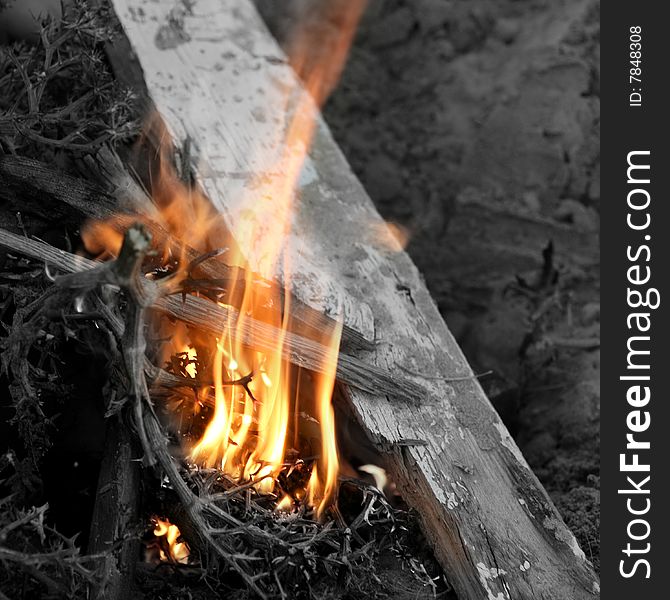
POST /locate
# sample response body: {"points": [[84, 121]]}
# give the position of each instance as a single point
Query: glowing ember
{"points": [[191, 355], [285, 504], [253, 427], [169, 549]]}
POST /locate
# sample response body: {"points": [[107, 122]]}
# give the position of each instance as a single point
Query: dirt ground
{"points": [[475, 125]]}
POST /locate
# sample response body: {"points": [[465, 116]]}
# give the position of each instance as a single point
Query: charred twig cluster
{"points": [[296, 556], [229, 525], [129, 328], [40, 108], [47, 560]]}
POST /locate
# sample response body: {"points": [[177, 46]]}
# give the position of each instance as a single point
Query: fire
{"points": [[253, 429], [186, 352], [169, 549], [285, 504]]}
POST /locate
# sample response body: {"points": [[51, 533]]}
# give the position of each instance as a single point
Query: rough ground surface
{"points": [[475, 124]]}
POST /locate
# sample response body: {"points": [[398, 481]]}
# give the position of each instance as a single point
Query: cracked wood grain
{"points": [[223, 83]]}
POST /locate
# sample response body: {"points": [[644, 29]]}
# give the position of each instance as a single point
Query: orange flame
{"points": [[248, 434], [170, 550], [225, 442]]}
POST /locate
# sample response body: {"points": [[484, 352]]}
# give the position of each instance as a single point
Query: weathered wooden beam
{"points": [[29, 185], [217, 77]]}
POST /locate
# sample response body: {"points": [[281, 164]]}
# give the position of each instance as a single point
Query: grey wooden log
{"points": [[115, 518], [29, 185], [216, 75]]}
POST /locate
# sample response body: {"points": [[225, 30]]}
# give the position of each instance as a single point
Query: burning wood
{"points": [[201, 313], [233, 439], [206, 502], [455, 422], [223, 379]]}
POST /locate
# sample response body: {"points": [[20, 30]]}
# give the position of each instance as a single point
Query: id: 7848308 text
{"points": [[635, 68]]}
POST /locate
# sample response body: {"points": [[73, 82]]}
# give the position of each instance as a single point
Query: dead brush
{"points": [[230, 527], [35, 558], [59, 93]]}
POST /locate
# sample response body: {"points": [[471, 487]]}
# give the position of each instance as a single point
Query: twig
{"points": [[27, 563], [35, 513], [214, 319], [446, 379]]}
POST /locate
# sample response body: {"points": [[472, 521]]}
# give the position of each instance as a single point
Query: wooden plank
{"points": [[217, 76], [116, 513]]}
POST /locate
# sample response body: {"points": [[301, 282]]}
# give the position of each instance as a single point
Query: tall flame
{"points": [[225, 442], [250, 429]]}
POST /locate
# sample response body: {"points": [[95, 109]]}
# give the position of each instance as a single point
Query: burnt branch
{"points": [[125, 272]]}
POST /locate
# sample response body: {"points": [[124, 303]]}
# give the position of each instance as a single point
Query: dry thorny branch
{"points": [[47, 560], [59, 93], [228, 524]]}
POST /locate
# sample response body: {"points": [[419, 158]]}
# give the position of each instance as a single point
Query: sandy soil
{"points": [[475, 125]]}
